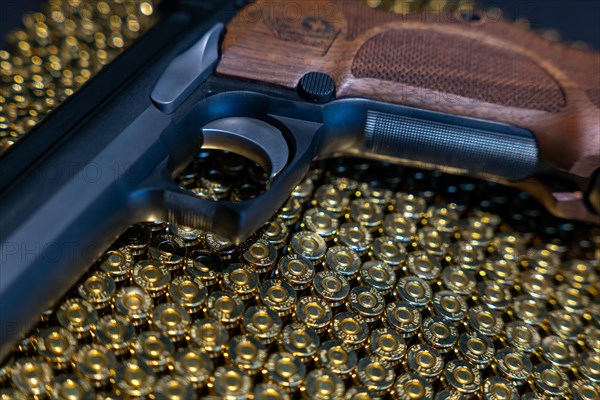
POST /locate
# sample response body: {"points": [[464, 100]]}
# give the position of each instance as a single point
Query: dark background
{"points": [[574, 19]]}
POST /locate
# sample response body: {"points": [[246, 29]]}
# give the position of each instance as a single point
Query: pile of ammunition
{"points": [[57, 51], [367, 284]]}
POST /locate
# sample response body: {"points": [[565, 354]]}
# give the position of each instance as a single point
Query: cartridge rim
{"points": [[450, 306], [153, 349], [296, 270], [278, 295], [367, 302], [476, 348], [374, 374], [355, 236], [529, 310], [241, 280], [204, 265], [134, 303], [494, 295], [300, 340], [439, 333], [134, 378], [498, 388], [209, 335], [485, 321], [188, 292], [514, 365], [403, 317], [169, 250], [194, 365], [389, 250], [262, 323], [344, 260], [96, 363], [152, 276], [585, 390], [225, 307], [335, 356], [322, 384], [308, 244], [231, 383], [402, 229], [57, 346], [285, 370], [98, 289], [172, 320], [322, 222], [424, 265], [331, 286], [171, 387], [466, 256], [558, 351], [189, 235], [77, 316], [115, 332], [276, 233], [269, 391], [246, 353], [378, 275], [261, 255], [366, 212], [424, 360], [458, 280], [462, 376], [522, 336], [313, 312], [588, 366], [414, 290], [412, 386], [549, 380], [350, 328], [387, 344], [31, 377], [71, 387], [118, 264]]}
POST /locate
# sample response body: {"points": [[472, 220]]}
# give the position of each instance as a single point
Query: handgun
{"points": [[285, 83]]}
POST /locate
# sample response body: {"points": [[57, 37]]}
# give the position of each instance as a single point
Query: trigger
{"points": [[249, 137]]}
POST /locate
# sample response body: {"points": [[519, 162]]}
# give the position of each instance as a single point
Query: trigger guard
{"points": [[252, 138]]}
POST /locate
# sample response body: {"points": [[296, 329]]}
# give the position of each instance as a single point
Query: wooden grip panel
{"points": [[487, 69]]}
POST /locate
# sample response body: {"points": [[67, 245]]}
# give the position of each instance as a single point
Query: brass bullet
{"points": [[188, 292], [69, 386], [193, 364], [322, 222], [403, 317], [355, 236], [314, 312], [171, 320], [299, 340], [412, 386], [285, 370], [152, 276], [350, 329], [387, 344], [98, 289], [513, 365], [32, 377], [425, 361], [344, 260], [205, 265], [134, 378], [498, 388], [414, 290], [153, 349], [308, 244], [549, 381], [96, 363], [262, 323], [241, 280], [374, 374], [115, 333], [57, 346], [229, 382], [77, 316], [321, 384], [334, 356], [331, 286], [461, 376], [118, 264], [296, 270], [134, 303], [261, 255], [367, 302], [173, 387], [279, 296], [377, 275], [225, 307], [210, 336]]}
